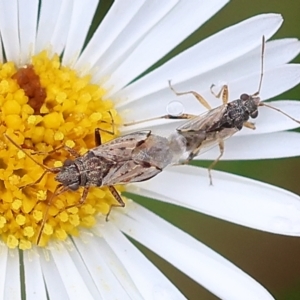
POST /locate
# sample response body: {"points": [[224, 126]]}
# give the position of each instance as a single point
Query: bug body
{"points": [[208, 129], [211, 128], [135, 157]]}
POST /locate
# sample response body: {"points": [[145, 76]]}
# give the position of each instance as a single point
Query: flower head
{"points": [[54, 92]]}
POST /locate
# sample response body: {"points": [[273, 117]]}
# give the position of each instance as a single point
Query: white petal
{"points": [[276, 53], [34, 280], [62, 26], [48, 17], [74, 285], [275, 81], [83, 270], [10, 30], [3, 267], [53, 280], [116, 19], [194, 259], [211, 53], [83, 11], [12, 289], [162, 38], [147, 17], [97, 264], [151, 282], [28, 16], [233, 198], [263, 146], [1, 51]]}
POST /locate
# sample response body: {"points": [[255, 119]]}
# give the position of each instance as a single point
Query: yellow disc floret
{"points": [[45, 106]]}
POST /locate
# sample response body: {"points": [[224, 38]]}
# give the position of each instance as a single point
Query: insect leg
{"points": [[222, 93], [82, 199], [249, 125], [170, 117], [195, 94], [56, 193], [113, 131], [98, 141], [117, 197], [221, 147]]}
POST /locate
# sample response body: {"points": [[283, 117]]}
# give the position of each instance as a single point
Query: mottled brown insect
{"points": [[134, 157], [214, 126]]}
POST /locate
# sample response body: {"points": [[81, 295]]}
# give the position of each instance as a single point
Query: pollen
{"points": [[46, 110]]}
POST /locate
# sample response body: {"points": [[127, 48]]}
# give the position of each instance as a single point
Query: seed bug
{"points": [[134, 157], [214, 126]]}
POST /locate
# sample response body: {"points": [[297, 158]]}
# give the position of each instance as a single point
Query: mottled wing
{"points": [[212, 139], [129, 171], [204, 121], [120, 149]]}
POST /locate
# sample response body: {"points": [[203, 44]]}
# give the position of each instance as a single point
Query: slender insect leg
{"points": [[195, 94], [113, 131], [56, 193], [98, 141], [221, 147], [82, 199], [48, 152], [222, 93], [117, 196], [72, 151], [249, 125], [169, 117], [37, 181]]}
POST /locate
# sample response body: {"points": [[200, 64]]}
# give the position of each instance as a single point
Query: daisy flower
{"points": [[54, 91]]}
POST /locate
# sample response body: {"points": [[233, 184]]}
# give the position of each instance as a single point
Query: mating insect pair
{"points": [[141, 155], [214, 126]]}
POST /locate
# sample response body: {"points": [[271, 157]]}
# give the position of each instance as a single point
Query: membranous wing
{"points": [[204, 121], [213, 139], [205, 131], [120, 149]]}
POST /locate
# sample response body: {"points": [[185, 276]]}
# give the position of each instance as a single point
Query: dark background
{"points": [[272, 260]]}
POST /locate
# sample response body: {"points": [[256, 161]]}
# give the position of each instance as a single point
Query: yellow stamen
{"points": [[56, 108]]}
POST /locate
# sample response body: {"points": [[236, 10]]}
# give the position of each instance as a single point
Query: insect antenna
{"points": [[261, 66], [279, 110], [51, 170], [260, 84]]}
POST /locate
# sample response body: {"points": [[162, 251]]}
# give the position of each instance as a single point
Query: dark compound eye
{"points": [[68, 162], [73, 186], [254, 114], [244, 97]]}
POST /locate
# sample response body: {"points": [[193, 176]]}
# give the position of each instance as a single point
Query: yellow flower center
{"points": [[43, 107]]}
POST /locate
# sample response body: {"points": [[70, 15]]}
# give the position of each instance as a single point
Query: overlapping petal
{"points": [[233, 198]]}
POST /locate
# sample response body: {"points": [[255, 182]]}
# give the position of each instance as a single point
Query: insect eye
{"points": [[254, 114], [244, 97], [73, 186], [68, 162]]}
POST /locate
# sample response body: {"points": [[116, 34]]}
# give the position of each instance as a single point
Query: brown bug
{"points": [[214, 126], [134, 157]]}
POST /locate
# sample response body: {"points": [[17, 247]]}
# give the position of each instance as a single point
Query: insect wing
{"points": [[129, 171], [212, 139], [203, 121], [120, 149]]}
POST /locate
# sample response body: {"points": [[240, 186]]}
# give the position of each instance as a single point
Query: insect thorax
{"points": [[237, 113]]}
